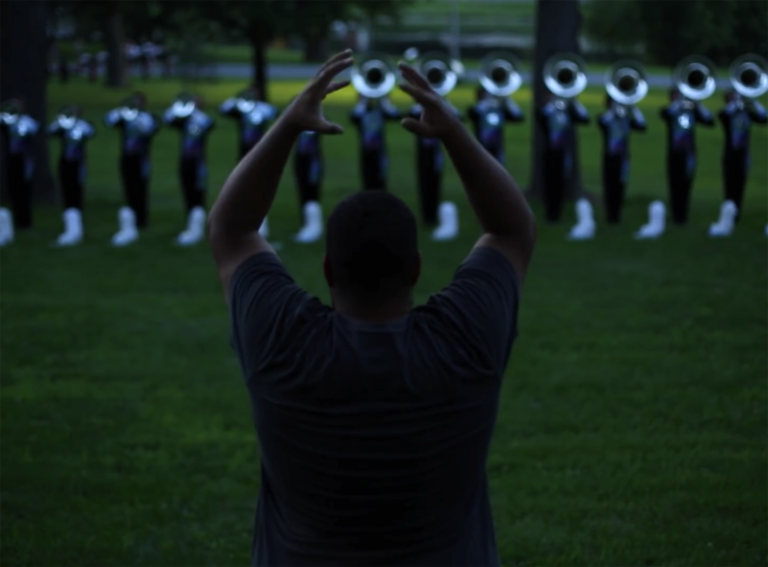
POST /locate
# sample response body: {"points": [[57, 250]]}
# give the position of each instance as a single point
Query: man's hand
{"points": [[306, 112], [438, 120]]}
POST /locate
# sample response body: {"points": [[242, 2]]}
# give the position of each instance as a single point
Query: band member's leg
{"points": [[554, 185], [735, 174], [371, 165], [20, 190], [679, 188], [191, 180], [429, 188], [72, 175], [142, 194], [613, 189]]}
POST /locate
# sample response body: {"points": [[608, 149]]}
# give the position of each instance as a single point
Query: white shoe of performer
{"points": [[585, 226], [656, 217], [724, 225], [73, 228], [313, 223], [195, 228], [448, 229], [128, 232], [6, 227]]}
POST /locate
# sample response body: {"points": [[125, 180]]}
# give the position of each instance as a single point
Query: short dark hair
{"points": [[372, 244]]}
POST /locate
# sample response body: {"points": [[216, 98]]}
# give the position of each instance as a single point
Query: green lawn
{"points": [[632, 428]]}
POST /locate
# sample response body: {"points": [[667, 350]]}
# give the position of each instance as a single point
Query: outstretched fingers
{"points": [[328, 72], [425, 98], [412, 76], [335, 86]]}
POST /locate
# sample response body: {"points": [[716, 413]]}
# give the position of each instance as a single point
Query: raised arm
{"points": [[579, 114], [512, 112], [703, 115], [499, 205], [248, 193], [228, 108], [637, 120], [757, 113]]}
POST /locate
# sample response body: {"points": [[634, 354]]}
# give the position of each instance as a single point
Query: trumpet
{"points": [[373, 77], [500, 74], [749, 76], [565, 76], [626, 84], [694, 77], [440, 72]]}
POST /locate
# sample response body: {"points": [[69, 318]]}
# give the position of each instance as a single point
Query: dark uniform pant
{"points": [[614, 186], [193, 173], [20, 190], [680, 173], [134, 170], [555, 181], [373, 164], [430, 178], [735, 169], [72, 180]]}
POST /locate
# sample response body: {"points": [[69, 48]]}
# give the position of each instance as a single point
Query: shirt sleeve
{"points": [[480, 307], [264, 303]]}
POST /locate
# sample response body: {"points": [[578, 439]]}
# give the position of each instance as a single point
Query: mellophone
{"points": [[373, 77]]}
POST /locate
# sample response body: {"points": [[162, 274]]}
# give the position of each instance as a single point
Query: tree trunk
{"points": [[259, 61], [115, 40], [23, 61], [558, 23]]}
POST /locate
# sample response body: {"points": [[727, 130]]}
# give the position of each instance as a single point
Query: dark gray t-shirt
{"points": [[374, 436]]}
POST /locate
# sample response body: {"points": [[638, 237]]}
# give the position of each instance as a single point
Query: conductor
{"points": [[374, 416]]}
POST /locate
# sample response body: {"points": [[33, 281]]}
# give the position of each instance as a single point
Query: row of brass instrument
{"points": [[564, 74]]}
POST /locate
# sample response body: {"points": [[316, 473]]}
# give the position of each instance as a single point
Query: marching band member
{"points": [[308, 168], [18, 130], [137, 127], [681, 117], [252, 115], [616, 123], [370, 116], [186, 115], [737, 117], [430, 163], [74, 133], [557, 117], [488, 116]]}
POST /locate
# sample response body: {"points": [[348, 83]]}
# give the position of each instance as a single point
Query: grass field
{"points": [[632, 428]]}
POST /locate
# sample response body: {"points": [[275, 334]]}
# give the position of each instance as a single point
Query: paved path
{"points": [[242, 71]]}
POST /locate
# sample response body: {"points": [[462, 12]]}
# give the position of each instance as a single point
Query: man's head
{"points": [[608, 101], [480, 94], [732, 96], [372, 259], [674, 94], [140, 100]]}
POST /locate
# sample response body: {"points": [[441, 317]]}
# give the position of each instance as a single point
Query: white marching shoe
{"points": [[656, 216], [128, 232], [264, 228], [585, 226], [448, 228], [6, 227], [724, 225], [313, 223], [73, 228], [195, 228]]}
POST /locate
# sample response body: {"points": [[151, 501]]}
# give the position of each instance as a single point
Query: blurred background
{"points": [[632, 427]]}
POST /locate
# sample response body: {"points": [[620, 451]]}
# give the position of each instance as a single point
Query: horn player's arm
{"points": [[512, 112], [637, 120], [757, 112], [578, 113], [703, 115], [356, 115], [390, 110]]}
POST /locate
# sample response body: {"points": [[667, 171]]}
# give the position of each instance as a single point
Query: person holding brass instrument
{"points": [[252, 115], [694, 78], [186, 115], [373, 79], [138, 127], [19, 130], [749, 78], [438, 70], [626, 86], [565, 79], [74, 133], [499, 78]]}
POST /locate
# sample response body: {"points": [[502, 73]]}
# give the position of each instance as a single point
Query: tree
{"points": [[23, 74], [558, 23]]}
